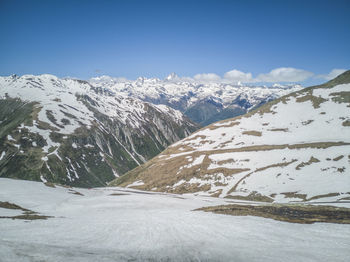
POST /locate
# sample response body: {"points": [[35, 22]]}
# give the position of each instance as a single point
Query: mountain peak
{"points": [[172, 76]]}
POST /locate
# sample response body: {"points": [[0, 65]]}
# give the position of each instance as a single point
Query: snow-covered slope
{"points": [[71, 132], [113, 224], [202, 103], [294, 148]]}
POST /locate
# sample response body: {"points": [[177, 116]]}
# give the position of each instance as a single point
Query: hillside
{"points": [[70, 132], [296, 148], [203, 103]]}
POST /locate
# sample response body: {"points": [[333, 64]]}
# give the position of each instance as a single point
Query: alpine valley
{"points": [[70, 132]]}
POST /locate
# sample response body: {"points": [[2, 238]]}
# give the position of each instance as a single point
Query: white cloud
{"points": [[285, 74], [238, 76], [332, 74], [282, 74], [210, 77]]}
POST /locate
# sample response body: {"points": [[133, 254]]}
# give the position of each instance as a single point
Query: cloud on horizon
{"points": [[277, 75], [238, 76], [210, 77], [332, 74], [285, 74]]}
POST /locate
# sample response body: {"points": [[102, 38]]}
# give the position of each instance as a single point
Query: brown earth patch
{"points": [[338, 158], [75, 192], [315, 100], [341, 97], [294, 195], [227, 161], [323, 196], [305, 123], [303, 214], [28, 214], [9, 205], [279, 129], [345, 198], [312, 160], [252, 133], [253, 196], [227, 124], [189, 188], [27, 217], [346, 123]]}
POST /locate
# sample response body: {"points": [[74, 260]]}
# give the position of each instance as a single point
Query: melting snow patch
{"points": [[43, 179], [2, 155], [10, 138], [136, 183]]}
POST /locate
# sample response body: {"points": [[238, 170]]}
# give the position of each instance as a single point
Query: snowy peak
{"points": [[172, 77], [295, 148], [188, 96]]}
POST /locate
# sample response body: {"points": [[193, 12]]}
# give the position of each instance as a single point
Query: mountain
{"points": [[71, 132], [296, 147], [202, 103]]}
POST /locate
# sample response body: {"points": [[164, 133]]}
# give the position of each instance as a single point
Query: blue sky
{"points": [[153, 38]]}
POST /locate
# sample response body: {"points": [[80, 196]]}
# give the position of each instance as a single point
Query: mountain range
{"points": [[86, 133], [203, 103]]}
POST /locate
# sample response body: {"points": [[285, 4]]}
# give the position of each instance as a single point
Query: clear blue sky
{"points": [[153, 38]]}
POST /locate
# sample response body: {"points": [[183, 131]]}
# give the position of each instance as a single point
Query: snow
{"points": [[171, 112], [10, 138], [60, 96], [43, 179], [149, 226], [173, 90], [2, 155], [292, 116], [136, 183]]}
